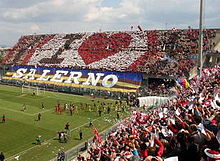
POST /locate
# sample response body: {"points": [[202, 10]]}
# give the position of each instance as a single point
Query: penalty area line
{"points": [[16, 111], [41, 112], [24, 113]]}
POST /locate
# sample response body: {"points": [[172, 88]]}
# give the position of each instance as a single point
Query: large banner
{"points": [[152, 101], [101, 80]]}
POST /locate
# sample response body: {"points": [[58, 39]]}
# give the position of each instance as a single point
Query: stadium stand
{"points": [[163, 53], [185, 128]]}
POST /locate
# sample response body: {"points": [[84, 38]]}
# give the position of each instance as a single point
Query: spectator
{"points": [[61, 156], [183, 130], [2, 157], [80, 134]]}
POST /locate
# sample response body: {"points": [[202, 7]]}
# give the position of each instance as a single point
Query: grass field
{"points": [[19, 131]]}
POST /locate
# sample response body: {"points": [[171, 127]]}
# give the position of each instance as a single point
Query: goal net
{"points": [[32, 90]]}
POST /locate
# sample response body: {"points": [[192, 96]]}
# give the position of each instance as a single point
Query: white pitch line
{"points": [[22, 152], [22, 112], [16, 111], [83, 125], [41, 112]]}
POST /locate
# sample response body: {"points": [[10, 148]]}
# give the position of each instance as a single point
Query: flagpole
{"points": [[200, 56]]}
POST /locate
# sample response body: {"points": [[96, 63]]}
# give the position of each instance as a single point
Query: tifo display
{"points": [[161, 53]]}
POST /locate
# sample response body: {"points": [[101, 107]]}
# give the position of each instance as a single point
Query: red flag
{"points": [[97, 135]]}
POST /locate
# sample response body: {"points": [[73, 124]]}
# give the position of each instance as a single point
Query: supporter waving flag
{"points": [[183, 82], [97, 135]]}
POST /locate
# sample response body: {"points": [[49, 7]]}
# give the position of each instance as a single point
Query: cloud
{"points": [[34, 28], [62, 9], [55, 16], [98, 13], [126, 11], [22, 13]]}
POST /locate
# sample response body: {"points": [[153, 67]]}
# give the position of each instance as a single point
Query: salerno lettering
{"points": [[91, 78]]}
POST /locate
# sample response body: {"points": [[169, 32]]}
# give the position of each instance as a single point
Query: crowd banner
{"points": [[152, 101], [93, 79]]}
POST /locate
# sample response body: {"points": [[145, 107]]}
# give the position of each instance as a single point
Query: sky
{"points": [[24, 17]]}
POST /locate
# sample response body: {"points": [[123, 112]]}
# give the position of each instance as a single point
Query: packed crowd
{"points": [[25, 48], [186, 127], [151, 52], [165, 87]]}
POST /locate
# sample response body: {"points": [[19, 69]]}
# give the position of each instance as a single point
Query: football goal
{"points": [[25, 89]]}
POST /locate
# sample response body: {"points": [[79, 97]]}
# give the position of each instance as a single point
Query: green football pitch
{"points": [[18, 133]]}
